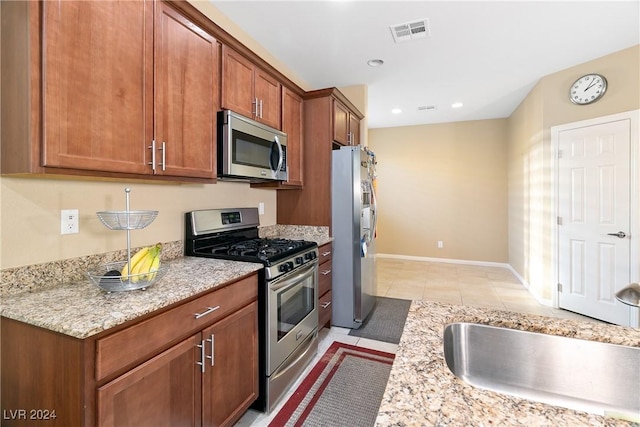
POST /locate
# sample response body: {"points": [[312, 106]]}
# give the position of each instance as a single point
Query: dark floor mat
{"points": [[386, 320]]}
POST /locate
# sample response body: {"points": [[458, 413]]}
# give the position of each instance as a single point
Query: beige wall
{"points": [[30, 218], [531, 162], [443, 182], [30, 208]]}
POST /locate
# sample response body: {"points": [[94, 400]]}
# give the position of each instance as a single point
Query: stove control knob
{"points": [[283, 268], [290, 265], [299, 260]]}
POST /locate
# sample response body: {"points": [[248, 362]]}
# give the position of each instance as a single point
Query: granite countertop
{"points": [[423, 392], [318, 234], [81, 309]]}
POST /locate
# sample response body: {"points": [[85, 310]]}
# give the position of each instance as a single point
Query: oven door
{"points": [[292, 311]]}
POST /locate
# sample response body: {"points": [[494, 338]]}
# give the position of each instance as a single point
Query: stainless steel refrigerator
{"points": [[353, 224]]}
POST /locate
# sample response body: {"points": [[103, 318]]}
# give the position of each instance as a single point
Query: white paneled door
{"points": [[594, 219]]}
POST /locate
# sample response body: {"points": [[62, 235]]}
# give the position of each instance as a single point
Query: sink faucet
{"points": [[630, 295]]}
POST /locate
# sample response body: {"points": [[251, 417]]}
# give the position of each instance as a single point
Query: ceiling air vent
{"points": [[426, 107], [410, 31]]}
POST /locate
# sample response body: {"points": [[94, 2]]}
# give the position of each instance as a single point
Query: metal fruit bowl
{"points": [[119, 283], [126, 220]]}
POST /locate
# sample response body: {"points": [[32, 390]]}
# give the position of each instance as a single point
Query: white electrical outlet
{"points": [[440, 244], [69, 221], [261, 208]]}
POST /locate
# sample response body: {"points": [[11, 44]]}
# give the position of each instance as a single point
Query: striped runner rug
{"points": [[344, 388]]}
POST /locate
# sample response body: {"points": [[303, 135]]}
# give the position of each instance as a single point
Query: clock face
{"points": [[587, 89]]}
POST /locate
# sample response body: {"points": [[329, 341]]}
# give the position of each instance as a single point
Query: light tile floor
{"points": [[472, 285], [480, 286]]}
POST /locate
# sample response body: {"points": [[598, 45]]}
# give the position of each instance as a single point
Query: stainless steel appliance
{"points": [[287, 297], [249, 150], [353, 225]]}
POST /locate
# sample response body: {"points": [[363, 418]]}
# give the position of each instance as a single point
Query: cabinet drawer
{"points": [[143, 340], [324, 278], [324, 310], [324, 253]]}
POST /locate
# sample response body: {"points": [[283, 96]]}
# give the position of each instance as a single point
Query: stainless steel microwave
{"points": [[249, 150]]}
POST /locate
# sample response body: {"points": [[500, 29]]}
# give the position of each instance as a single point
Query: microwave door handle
{"points": [[280, 156]]}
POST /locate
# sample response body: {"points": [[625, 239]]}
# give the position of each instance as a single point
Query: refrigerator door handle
{"points": [[374, 201]]}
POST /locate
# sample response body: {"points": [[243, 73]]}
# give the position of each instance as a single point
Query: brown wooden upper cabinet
{"points": [[346, 125], [104, 103], [186, 96], [249, 90], [97, 91], [292, 125]]}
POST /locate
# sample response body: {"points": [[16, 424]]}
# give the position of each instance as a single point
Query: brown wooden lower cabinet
{"points": [[208, 376], [325, 285]]}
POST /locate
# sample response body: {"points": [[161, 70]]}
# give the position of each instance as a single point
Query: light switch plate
{"points": [[69, 221]]}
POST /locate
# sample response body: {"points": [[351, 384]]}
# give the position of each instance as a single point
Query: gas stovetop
{"points": [[263, 250], [232, 234]]}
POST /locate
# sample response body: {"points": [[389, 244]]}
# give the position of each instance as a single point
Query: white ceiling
{"points": [[485, 54]]}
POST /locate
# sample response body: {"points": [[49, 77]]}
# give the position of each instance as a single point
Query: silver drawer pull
{"points": [[325, 272], [326, 304], [212, 340], [209, 311], [202, 355], [326, 253]]}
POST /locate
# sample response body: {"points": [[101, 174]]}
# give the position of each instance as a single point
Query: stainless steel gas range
{"points": [[287, 297]]}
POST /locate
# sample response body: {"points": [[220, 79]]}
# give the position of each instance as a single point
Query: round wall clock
{"points": [[587, 89]]}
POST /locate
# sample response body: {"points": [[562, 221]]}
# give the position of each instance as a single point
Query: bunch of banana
{"points": [[146, 260]]}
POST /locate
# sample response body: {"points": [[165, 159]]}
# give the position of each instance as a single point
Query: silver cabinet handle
{"points": [[261, 108], [202, 355], [208, 311], [326, 304], [164, 156], [212, 340], [325, 272], [255, 111], [619, 234], [152, 147], [326, 253]]}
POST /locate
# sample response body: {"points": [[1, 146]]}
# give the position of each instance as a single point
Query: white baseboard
{"points": [[446, 260], [508, 266]]}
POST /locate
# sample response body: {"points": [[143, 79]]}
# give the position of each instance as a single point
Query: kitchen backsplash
{"points": [[38, 276], [317, 234]]}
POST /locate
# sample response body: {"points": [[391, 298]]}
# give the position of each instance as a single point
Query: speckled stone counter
{"points": [[81, 309], [317, 234], [423, 392]]}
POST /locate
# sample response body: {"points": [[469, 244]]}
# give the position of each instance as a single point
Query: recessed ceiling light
{"points": [[375, 62], [396, 111], [457, 105]]}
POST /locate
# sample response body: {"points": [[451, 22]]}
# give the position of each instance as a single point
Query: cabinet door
{"points": [[269, 94], [292, 122], [340, 123], [230, 381], [186, 63], [237, 83], [164, 391], [354, 130], [97, 84]]}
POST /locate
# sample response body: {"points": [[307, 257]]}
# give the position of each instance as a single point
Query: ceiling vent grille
{"points": [[410, 31], [426, 107]]}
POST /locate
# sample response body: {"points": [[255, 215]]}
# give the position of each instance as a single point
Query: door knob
{"points": [[619, 234]]}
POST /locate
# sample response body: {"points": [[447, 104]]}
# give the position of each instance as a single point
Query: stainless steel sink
{"points": [[578, 374]]}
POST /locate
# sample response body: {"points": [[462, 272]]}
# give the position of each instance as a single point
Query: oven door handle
{"points": [[294, 280]]}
